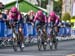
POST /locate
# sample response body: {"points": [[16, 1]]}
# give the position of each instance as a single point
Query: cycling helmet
{"points": [[14, 9], [39, 13], [52, 14]]}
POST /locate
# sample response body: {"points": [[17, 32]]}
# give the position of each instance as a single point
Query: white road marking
{"points": [[71, 55], [14, 55], [46, 54]]}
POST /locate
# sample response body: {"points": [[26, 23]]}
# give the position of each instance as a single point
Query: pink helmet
{"points": [[52, 14], [40, 13], [14, 9]]}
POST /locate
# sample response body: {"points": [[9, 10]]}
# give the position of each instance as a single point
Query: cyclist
{"points": [[14, 15], [15, 19], [40, 19], [53, 20]]}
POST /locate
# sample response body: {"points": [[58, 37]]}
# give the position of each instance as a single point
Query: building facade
{"points": [[32, 2], [68, 6]]}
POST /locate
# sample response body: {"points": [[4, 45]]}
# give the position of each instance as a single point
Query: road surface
{"points": [[65, 48]]}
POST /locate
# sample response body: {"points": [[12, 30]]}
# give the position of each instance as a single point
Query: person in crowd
{"points": [[1, 6], [2, 16], [6, 12], [30, 17], [5, 15]]}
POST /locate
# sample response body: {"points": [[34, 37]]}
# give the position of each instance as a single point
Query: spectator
{"points": [[1, 6], [30, 17], [2, 16], [6, 13], [27, 17]]}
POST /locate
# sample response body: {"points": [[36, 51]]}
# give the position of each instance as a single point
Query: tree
{"points": [[73, 17], [66, 17], [44, 3], [58, 6]]}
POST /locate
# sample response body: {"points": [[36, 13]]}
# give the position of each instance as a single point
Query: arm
{"points": [[49, 20], [57, 21], [35, 18]]}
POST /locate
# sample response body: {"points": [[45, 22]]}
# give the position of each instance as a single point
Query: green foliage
{"points": [[66, 17], [73, 17], [44, 3], [72, 24], [58, 7]]}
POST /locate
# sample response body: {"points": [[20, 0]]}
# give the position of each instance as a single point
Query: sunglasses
{"points": [[52, 17], [13, 12]]}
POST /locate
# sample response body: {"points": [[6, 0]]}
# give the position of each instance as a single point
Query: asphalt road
{"points": [[64, 48]]}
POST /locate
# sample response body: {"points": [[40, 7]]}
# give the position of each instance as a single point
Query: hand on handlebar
{"points": [[32, 24]]}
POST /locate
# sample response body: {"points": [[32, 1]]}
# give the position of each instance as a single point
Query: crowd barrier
{"points": [[64, 31], [28, 29], [73, 31]]}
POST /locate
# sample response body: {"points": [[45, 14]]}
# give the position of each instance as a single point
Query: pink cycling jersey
{"points": [[55, 19], [43, 19], [18, 16]]}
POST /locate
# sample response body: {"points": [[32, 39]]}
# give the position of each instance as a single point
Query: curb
{"points": [[32, 44], [66, 40]]}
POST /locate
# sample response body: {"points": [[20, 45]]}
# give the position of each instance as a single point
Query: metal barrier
{"points": [[2, 29], [64, 31], [72, 31], [28, 29]]}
